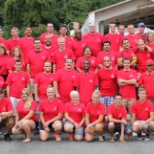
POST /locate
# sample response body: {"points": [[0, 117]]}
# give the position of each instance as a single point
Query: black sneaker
{"points": [[139, 137], [7, 137], [147, 137]]}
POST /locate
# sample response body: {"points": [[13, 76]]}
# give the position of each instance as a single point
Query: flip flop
{"points": [[26, 140], [112, 141]]}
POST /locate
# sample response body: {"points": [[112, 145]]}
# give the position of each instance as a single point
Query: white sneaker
{"points": [[134, 134]]}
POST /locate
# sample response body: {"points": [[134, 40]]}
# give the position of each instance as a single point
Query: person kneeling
{"points": [[95, 112], [142, 116], [74, 114], [6, 115], [117, 114], [26, 119], [51, 110]]}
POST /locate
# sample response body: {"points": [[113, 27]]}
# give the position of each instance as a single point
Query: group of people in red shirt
{"points": [[77, 85]]}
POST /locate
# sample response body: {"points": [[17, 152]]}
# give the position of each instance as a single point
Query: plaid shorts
{"points": [[107, 100]]}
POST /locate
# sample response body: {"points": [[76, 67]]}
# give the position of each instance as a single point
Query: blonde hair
{"points": [[96, 92], [29, 100], [73, 92], [20, 55]]}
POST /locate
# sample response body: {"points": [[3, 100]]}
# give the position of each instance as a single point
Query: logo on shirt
{"points": [[65, 56], [23, 78], [92, 61], [3, 109], [117, 40], [55, 108], [43, 57], [131, 75], [112, 76], [98, 112], [148, 55], [79, 110], [73, 76], [83, 45], [112, 58], [1, 82], [91, 80], [98, 40], [51, 79], [146, 109], [120, 115]]}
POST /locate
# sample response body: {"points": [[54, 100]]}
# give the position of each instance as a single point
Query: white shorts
{"points": [[14, 103], [145, 126]]}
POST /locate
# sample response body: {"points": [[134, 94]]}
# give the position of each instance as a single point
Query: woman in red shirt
{"points": [[4, 57], [26, 118], [51, 110], [87, 56], [95, 112], [74, 115], [16, 54]]}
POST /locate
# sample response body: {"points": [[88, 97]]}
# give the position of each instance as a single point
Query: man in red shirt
{"points": [[113, 37], [63, 34], [141, 33], [125, 51], [49, 46], [107, 77], [94, 39], [12, 42], [106, 52], [35, 61], [121, 30], [117, 114], [127, 79], [42, 81], [143, 55], [142, 116], [64, 81], [6, 115], [86, 82], [78, 44], [146, 80], [16, 81], [49, 31], [132, 37], [26, 42], [60, 55]]}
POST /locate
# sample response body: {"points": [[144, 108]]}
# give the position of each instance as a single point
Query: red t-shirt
{"points": [[116, 41], [68, 41], [111, 54], [93, 63], [133, 40], [4, 42], [50, 49], [95, 111], [12, 43], [142, 111], [126, 54], [36, 61], [77, 46], [53, 37], [65, 80], [107, 81], [86, 82], [5, 105], [128, 91], [2, 82], [43, 80], [95, 42], [26, 45], [3, 64], [17, 81], [23, 112], [11, 62], [75, 111], [147, 80], [51, 109], [151, 45], [142, 57], [59, 58], [119, 114]]}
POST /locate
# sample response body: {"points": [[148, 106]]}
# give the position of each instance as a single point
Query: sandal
{"points": [[112, 141], [26, 140]]}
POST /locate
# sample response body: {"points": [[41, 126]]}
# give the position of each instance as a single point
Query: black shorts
{"points": [[42, 128], [5, 121]]}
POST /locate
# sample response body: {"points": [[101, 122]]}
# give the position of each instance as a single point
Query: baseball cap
{"points": [[149, 62], [141, 24], [1, 90]]}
